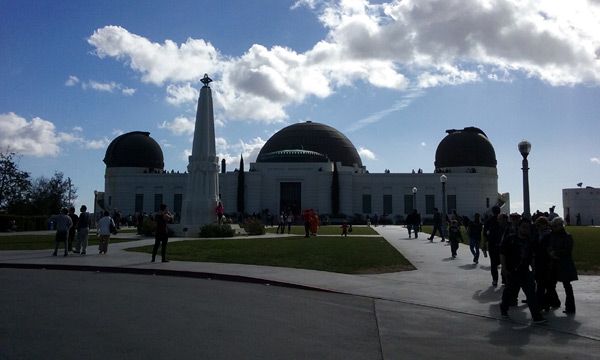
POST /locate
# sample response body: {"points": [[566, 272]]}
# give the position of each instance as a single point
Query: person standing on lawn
{"points": [[63, 224], [161, 236]]}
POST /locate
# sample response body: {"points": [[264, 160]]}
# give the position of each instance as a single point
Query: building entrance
{"points": [[290, 195]]}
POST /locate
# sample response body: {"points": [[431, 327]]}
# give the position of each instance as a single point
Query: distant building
{"points": [[295, 170], [582, 201]]}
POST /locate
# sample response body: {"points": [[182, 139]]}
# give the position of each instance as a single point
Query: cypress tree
{"points": [[335, 191], [241, 187]]}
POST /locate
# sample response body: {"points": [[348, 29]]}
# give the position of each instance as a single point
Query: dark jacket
{"points": [[518, 253], [541, 257], [561, 248]]}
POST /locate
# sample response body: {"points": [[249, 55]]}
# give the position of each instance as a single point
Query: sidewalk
{"points": [[439, 282]]}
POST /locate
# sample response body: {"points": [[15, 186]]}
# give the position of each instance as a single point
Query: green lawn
{"points": [[586, 249], [327, 230], [39, 242], [351, 255]]}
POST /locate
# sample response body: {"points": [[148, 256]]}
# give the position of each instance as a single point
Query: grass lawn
{"points": [[352, 255], [327, 230], [586, 250], [40, 242]]}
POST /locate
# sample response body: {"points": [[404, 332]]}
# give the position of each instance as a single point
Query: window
{"points": [[408, 204], [451, 203], [429, 204], [487, 202], [366, 203], [387, 204], [139, 203], [158, 199], [177, 203]]}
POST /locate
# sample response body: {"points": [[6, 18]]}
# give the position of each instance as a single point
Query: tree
{"points": [[335, 191], [48, 196], [14, 183], [241, 187]]}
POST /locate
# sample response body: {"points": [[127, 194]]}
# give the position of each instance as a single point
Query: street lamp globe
{"points": [[524, 148], [414, 190], [443, 179]]}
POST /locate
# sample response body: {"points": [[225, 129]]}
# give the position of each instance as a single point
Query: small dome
{"points": [[134, 149], [316, 142], [467, 147]]}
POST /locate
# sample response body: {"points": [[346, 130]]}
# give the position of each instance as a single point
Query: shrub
{"points": [[24, 223], [148, 227], [216, 230], [254, 227]]}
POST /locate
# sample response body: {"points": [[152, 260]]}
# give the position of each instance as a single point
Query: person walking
{"points": [[161, 235], [413, 222], [437, 225], [106, 226], [454, 235], [63, 224], [74, 220], [220, 211], [474, 230], [83, 230], [563, 267], [281, 225], [545, 286], [516, 257], [492, 231]]}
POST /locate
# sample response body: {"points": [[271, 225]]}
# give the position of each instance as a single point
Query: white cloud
{"points": [[39, 137], [128, 91], [98, 86], [400, 45], [423, 144], [366, 153], [181, 125], [72, 80], [178, 95], [595, 160], [231, 152]]}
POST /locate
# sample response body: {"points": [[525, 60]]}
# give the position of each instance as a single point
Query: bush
{"points": [[24, 223], [216, 230], [254, 227]]}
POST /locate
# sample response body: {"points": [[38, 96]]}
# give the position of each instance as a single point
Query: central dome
{"points": [[309, 141]]}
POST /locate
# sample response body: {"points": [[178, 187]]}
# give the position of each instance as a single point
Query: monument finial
{"points": [[206, 80]]}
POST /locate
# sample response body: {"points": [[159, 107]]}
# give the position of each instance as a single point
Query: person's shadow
{"points": [[491, 294]]}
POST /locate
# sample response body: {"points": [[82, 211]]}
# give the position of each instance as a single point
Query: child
{"points": [[454, 232]]}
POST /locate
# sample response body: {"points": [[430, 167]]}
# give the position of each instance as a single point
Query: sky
{"points": [[391, 75]]}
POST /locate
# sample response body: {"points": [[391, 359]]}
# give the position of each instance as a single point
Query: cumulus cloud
{"points": [[179, 94], [128, 91], [399, 45], [595, 160], [366, 153], [107, 87], [231, 152], [39, 137], [181, 125]]}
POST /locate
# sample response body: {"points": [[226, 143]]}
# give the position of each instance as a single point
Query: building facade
{"points": [[581, 206]]}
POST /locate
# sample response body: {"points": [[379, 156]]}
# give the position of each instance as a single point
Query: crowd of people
{"points": [[533, 253]]}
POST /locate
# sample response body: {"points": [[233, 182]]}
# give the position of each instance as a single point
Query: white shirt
{"points": [[104, 225]]}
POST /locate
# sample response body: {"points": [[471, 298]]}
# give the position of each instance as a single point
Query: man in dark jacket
{"points": [[563, 267], [493, 231], [161, 237], [413, 222], [516, 257], [437, 225]]}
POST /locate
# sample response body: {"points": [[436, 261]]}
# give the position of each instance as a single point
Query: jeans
{"points": [[61, 236], [82, 239], [570, 298], [103, 246], [414, 228], [520, 280], [474, 245], [437, 228], [160, 240]]}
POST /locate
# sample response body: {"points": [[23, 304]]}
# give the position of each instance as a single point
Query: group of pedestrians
{"points": [[533, 254], [72, 230]]}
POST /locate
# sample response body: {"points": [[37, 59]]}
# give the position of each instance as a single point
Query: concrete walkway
{"points": [[439, 282]]}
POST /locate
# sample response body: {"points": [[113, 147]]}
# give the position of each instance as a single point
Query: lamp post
{"points": [[414, 190], [524, 148], [443, 180]]}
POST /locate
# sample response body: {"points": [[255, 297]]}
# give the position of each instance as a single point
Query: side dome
{"points": [[319, 142], [467, 147], [134, 149]]}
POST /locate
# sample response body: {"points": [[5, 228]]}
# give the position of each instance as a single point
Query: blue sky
{"points": [[392, 76]]}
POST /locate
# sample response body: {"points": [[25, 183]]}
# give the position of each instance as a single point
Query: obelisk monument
{"points": [[202, 192]]}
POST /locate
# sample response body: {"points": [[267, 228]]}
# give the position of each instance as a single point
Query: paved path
{"points": [[439, 282]]}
